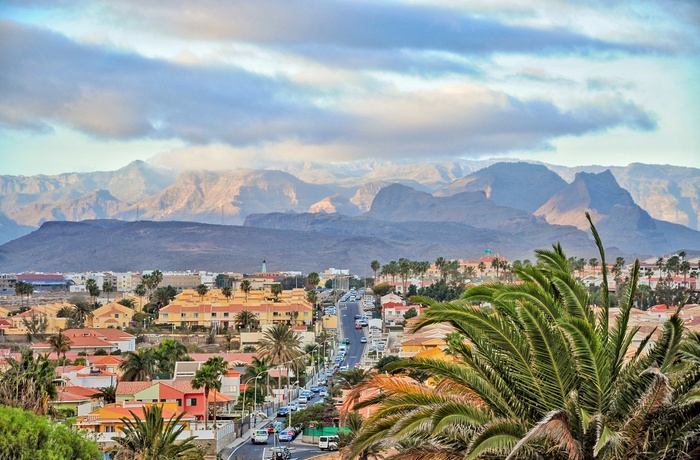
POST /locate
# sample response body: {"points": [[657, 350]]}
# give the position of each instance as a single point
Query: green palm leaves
{"points": [[540, 373]]}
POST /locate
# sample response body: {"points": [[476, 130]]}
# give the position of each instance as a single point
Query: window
{"points": [[179, 402], [182, 315], [109, 429], [275, 313], [226, 315], [164, 315], [116, 315], [196, 315], [193, 401], [213, 314]]}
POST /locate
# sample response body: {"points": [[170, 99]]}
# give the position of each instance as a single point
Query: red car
{"points": [[358, 326]]}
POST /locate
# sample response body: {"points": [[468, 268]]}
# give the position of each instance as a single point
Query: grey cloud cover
{"points": [[50, 80]]}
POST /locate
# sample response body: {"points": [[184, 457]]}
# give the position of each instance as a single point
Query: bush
{"points": [[100, 352]]}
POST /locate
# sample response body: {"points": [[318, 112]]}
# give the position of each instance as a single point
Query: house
{"points": [[85, 376], [230, 382], [111, 316], [38, 315], [393, 313], [79, 400], [180, 392], [108, 419], [90, 340]]}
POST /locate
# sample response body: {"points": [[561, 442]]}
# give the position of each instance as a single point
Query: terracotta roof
{"points": [[64, 395], [84, 391], [130, 388], [108, 359], [186, 387]]}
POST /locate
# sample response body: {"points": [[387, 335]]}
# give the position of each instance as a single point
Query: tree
{"points": [[23, 289], [36, 324], [152, 438], [60, 344], [440, 266], [276, 290], [152, 280], [496, 263], [202, 290], [82, 312], [92, 289], [161, 297], [168, 353], [108, 394], [209, 378], [140, 291], [28, 383], [259, 367], [381, 289], [410, 313], [593, 262], [684, 268], [312, 297], [539, 374], [312, 280], [404, 271], [127, 302], [107, 288], [245, 287], [280, 344], [227, 292], [139, 365], [375, 266], [482, 268], [246, 319], [26, 435]]}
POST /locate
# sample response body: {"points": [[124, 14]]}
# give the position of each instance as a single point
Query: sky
{"points": [[92, 85]]}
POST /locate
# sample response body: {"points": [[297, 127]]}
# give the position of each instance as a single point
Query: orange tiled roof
{"points": [[130, 388]]}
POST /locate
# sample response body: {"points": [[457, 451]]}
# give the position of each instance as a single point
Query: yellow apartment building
{"points": [[214, 309]]}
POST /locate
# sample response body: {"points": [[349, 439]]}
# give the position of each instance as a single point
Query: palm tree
{"points": [[168, 353], [375, 266], [108, 394], [684, 268], [23, 289], [226, 291], [280, 344], [259, 367], [246, 319], [60, 344], [139, 365], [107, 287], [276, 290], [593, 262], [440, 266], [246, 287], [202, 290], [92, 289], [540, 374], [140, 291], [312, 280], [153, 438], [207, 377], [482, 268], [28, 383], [82, 312], [496, 263]]}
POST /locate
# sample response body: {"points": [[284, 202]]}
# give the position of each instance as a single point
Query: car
{"points": [[303, 399], [287, 434], [343, 368], [293, 406], [323, 393], [358, 316], [346, 341], [328, 442], [270, 427], [283, 411], [308, 393], [363, 340], [358, 326], [321, 384], [260, 436], [315, 388]]}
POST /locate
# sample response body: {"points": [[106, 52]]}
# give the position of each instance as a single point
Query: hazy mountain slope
{"points": [[620, 221], [99, 204], [206, 196], [9, 229], [523, 186], [670, 193]]}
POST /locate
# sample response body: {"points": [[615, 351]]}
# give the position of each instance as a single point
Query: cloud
{"points": [[49, 80]]}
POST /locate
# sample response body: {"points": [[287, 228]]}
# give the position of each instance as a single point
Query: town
{"points": [[232, 358]]}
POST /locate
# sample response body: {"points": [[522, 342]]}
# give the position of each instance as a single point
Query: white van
{"points": [[328, 442], [260, 437]]}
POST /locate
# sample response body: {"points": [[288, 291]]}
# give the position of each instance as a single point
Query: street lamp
{"points": [[244, 392]]}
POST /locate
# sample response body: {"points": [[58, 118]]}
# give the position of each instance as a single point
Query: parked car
{"points": [[287, 434], [323, 393], [363, 340], [328, 442], [308, 393], [283, 411], [315, 388], [303, 400]]}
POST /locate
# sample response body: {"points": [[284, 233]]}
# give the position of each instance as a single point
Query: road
{"points": [[249, 451]]}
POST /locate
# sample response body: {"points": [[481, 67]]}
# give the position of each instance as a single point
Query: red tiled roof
{"points": [[84, 391], [130, 388]]}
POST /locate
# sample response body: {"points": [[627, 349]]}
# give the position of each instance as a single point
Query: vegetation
{"points": [[23, 289], [538, 373], [28, 436], [139, 365], [28, 383], [168, 353], [209, 378], [153, 438], [280, 344]]}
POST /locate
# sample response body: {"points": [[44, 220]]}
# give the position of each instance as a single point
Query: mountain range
{"points": [[459, 208]]}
